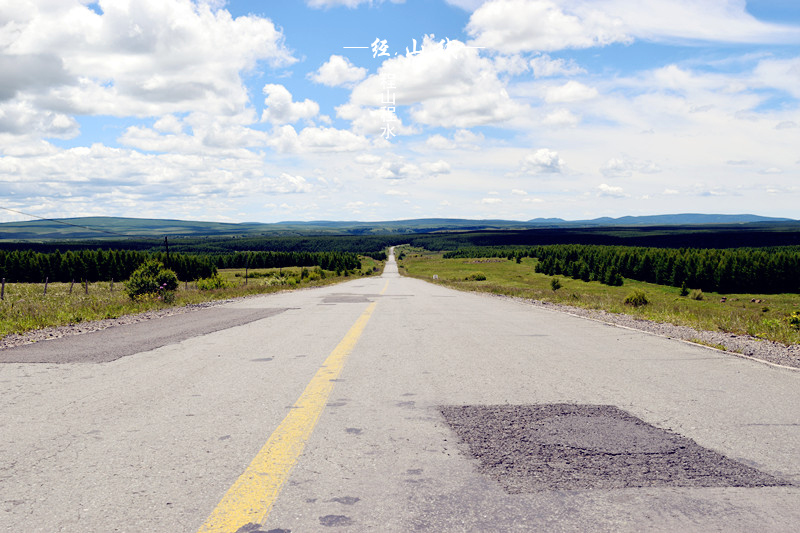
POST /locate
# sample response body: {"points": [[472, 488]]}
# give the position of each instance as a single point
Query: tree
{"points": [[151, 278]]}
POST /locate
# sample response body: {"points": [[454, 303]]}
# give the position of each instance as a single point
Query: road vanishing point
{"points": [[390, 404]]}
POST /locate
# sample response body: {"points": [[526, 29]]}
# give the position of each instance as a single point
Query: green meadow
{"points": [[768, 317], [26, 307]]}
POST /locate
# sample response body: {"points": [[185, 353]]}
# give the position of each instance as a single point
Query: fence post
{"points": [[3, 290], [86, 286], [71, 284], [112, 284], [45, 285]]}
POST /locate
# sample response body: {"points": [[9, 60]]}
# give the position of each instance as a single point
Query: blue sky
{"points": [[256, 110]]}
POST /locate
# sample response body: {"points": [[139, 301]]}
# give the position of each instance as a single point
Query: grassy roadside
{"points": [[27, 308], [766, 318]]}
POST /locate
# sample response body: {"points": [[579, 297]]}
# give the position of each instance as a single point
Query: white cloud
{"points": [[398, 168], [436, 167], [519, 192], [282, 110], [609, 191], [140, 58], [168, 124], [367, 159], [313, 139], [448, 85], [338, 71], [491, 201], [572, 91], [513, 26], [542, 161], [462, 140], [371, 120], [561, 118], [543, 67], [287, 183], [395, 192]]}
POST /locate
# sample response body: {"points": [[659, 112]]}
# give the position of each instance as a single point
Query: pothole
{"points": [[533, 448]]}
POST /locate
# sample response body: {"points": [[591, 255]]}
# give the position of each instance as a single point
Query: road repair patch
{"points": [[534, 448]]}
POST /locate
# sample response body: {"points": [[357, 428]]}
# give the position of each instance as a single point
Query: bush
{"points": [[555, 284], [214, 282], [697, 294], [794, 320], [636, 299], [152, 278], [684, 289], [478, 276]]}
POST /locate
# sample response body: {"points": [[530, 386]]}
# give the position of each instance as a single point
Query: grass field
{"points": [[738, 314], [25, 307]]}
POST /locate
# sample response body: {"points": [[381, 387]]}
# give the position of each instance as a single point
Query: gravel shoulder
{"points": [[738, 345]]}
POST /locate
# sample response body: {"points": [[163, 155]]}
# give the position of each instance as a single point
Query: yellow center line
{"points": [[251, 497], [385, 287]]}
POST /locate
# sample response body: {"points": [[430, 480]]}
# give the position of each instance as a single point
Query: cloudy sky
{"points": [[272, 110]]}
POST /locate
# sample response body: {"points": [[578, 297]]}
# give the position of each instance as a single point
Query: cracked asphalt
{"points": [[149, 439]]}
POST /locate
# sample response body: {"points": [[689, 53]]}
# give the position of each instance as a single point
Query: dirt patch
{"points": [[534, 448]]}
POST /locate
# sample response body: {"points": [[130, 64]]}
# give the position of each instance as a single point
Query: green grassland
{"points": [[767, 319], [25, 307]]}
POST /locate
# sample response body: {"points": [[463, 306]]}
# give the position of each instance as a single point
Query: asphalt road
{"points": [[391, 404]]}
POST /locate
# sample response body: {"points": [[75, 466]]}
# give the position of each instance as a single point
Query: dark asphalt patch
{"points": [[120, 341], [534, 448]]}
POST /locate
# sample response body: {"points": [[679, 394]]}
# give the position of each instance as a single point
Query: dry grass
{"points": [[27, 308]]}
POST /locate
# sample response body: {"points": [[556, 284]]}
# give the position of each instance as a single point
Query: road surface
{"points": [[343, 409]]}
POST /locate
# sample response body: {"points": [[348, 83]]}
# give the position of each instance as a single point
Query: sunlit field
{"points": [[764, 316]]}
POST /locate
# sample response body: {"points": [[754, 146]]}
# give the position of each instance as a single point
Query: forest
{"points": [[27, 266], [770, 270]]}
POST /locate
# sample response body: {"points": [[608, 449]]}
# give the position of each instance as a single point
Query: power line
{"points": [[65, 223]]}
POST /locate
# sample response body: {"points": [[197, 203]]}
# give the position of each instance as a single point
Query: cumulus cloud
{"points": [[366, 120], [513, 26], [313, 139], [282, 110], [139, 58], [609, 191], [338, 71], [491, 201], [448, 85], [398, 168], [542, 161], [462, 140]]}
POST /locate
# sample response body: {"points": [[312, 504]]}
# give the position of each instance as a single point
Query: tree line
{"points": [[27, 266], [743, 270]]}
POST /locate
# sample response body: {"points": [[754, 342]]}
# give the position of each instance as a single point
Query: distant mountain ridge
{"points": [[117, 227], [662, 220]]}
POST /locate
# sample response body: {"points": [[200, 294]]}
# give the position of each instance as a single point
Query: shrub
{"points": [[152, 278], [214, 282], [684, 289], [636, 299], [555, 284], [794, 320], [696, 294], [478, 276]]}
